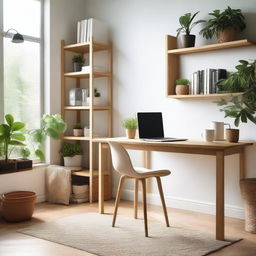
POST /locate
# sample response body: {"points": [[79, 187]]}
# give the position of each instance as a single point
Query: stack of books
{"points": [[205, 81], [91, 28]]}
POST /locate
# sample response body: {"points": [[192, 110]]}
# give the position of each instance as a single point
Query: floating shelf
{"points": [[85, 47], [205, 96], [96, 108], [86, 173], [76, 138], [86, 74], [212, 47]]}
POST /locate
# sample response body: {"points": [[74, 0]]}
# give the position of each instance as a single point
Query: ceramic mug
{"points": [[208, 135]]}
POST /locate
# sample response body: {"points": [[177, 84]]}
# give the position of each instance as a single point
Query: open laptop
{"points": [[151, 127]]}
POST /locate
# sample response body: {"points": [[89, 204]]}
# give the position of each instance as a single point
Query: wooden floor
{"points": [[15, 244]]}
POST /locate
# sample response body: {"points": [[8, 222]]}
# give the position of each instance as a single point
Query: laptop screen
{"points": [[150, 124]]}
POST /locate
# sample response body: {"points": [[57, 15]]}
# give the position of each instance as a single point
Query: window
{"points": [[21, 65]]}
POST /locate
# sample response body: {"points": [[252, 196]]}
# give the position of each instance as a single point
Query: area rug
{"points": [[92, 232]]}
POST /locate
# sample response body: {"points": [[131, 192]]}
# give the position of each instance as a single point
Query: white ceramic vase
{"points": [[74, 162]]}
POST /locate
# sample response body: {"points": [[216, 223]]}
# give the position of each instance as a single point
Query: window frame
{"points": [[39, 40]]}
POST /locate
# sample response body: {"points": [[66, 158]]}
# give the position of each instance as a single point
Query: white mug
{"points": [[208, 135], [219, 130]]}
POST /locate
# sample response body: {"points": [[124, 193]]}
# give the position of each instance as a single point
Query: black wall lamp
{"points": [[17, 37]]}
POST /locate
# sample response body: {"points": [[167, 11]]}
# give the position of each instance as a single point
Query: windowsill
{"points": [[35, 166]]}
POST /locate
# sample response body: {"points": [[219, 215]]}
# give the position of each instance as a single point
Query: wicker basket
{"points": [[248, 191]]}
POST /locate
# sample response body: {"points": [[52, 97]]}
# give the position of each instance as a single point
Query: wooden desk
{"points": [[217, 149]]}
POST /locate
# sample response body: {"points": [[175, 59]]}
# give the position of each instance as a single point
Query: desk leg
{"points": [[242, 164], [220, 210], [101, 179]]}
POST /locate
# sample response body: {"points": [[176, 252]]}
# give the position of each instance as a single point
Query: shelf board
{"points": [[205, 96], [76, 138], [86, 74], [212, 47], [96, 108], [85, 47], [86, 173]]}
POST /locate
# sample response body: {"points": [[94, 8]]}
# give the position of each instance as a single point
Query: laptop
{"points": [[151, 127]]}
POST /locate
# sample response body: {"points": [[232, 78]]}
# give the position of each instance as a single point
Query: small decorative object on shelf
{"points": [[187, 40], [224, 25], [78, 62], [97, 97], [72, 154], [78, 97], [182, 86], [130, 124], [78, 130], [86, 131]]}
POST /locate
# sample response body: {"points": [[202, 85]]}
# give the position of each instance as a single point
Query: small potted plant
{"points": [[11, 136], [72, 154], [77, 130], [24, 162], [130, 124], [187, 40], [78, 62], [97, 97], [224, 25], [182, 86]]}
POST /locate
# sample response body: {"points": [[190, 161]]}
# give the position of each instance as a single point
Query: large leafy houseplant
{"points": [[11, 135], [241, 108], [187, 24], [224, 24], [52, 126]]}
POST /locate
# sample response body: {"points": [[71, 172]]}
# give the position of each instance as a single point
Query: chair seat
{"points": [[147, 173]]}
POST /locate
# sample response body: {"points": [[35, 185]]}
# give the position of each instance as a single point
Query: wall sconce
{"points": [[17, 37]]}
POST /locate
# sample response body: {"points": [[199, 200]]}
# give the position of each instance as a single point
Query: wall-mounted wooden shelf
{"points": [[83, 48], [75, 138], [86, 74], [173, 62], [205, 96], [96, 108]]}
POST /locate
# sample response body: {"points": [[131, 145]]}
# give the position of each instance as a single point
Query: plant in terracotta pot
{"points": [[78, 130], [187, 24], [130, 124], [78, 62], [182, 86], [224, 25], [72, 154], [24, 162], [241, 108], [11, 136]]}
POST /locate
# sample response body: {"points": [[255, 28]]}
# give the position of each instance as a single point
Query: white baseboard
{"points": [[185, 204]]}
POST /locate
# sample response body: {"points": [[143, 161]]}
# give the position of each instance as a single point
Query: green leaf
{"points": [[16, 143], [18, 136], [52, 133], [9, 119], [17, 126], [39, 153], [38, 136], [5, 130], [237, 121]]}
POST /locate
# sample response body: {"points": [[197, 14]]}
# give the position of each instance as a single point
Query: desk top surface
{"points": [[185, 144]]}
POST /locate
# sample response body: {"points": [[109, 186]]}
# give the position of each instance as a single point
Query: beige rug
{"points": [[92, 232]]}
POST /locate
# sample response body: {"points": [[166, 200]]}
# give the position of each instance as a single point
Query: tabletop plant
{"points": [[241, 108], [77, 129], [224, 24], [70, 150], [25, 153], [182, 86], [52, 126], [11, 135], [130, 124], [187, 24], [78, 61]]}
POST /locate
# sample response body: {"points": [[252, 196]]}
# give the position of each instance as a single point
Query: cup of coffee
{"points": [[208, 135]]}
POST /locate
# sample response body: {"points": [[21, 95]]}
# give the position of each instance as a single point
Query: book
{"points": [[78, 39]]}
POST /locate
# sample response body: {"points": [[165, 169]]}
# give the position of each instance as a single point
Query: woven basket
{"points": [[248, 191]]}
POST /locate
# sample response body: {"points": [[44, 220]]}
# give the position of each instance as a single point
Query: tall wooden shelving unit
{"points": [[89, 48], [173, 64]]}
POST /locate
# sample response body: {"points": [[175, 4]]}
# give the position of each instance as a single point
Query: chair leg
{"points": [[144, 194], [121, 181], [159, 184], [136, 187]]}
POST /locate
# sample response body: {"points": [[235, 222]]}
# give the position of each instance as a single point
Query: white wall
{"points": [[138, 29]]}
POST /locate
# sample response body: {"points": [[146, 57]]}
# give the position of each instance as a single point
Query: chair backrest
{"points": [[121, 160]]}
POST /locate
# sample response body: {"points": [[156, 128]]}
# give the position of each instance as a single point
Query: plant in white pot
{"points": [[72, 154]]}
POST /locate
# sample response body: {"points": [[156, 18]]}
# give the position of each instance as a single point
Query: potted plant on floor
{"points": [[187, 40], [77, 130], [78, 62], [72, 154], [224, 25], [182, 86], [11, 136], [24, 162], [130, 125]]}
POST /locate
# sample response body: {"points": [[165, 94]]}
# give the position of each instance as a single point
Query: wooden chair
{"points": [[122, 164]]}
